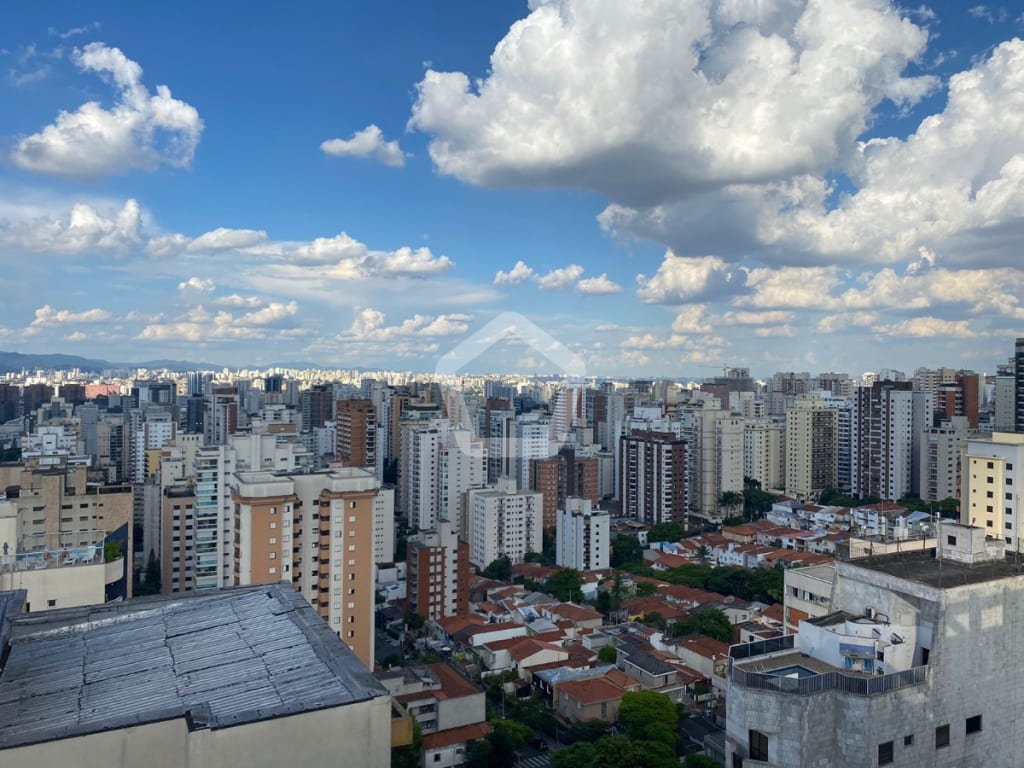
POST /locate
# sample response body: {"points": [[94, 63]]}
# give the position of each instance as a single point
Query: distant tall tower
{"points": [[1018, 398]]}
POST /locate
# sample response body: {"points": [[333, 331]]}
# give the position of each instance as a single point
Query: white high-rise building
{"points": [[532, 440], [384, 526], [503, 522], [581, 539], [438, 464]]}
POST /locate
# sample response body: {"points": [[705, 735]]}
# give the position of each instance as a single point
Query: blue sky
{"points": [[789, 185]]}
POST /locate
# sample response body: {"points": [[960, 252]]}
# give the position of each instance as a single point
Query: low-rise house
{"points": [[437, 696], [707, 656], [589, 699], [446, 749]]}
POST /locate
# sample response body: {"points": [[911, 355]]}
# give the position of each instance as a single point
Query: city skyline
{"points": [[369, 190]]}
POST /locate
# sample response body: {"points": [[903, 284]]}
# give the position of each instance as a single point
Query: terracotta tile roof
{"points": [[453, 685], [774, 612], [453, 624], [591, 690], [641, 606], [572, 612], [529, 647], [622, 680], [705, 646], [453, 736], [495, 627]]}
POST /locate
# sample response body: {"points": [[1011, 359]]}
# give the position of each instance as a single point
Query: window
{"points": [[272, 571], [53, 604], [351, 518], [885, 753], [989, 465], [273, 525], [942, 736], [988, 523], [351, 505], [973, 725], [273, 555], [758, 746], [951, 541], [908, 740]]}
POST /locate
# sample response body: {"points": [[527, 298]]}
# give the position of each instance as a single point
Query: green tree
{"points": [[582, 754], [607, 654], [729, 501], [507, 738], [533, 557], [666, 532], [710, 623], [590, 730], [535, 714], [646, 588], [548, 547], [701, 761], [478, 753], [603, 602], [625, 550], [565, 584], [499, 570], [649, 716], [654, 619], [414, 621], [756, 501], [690, 575], [767, 584]]}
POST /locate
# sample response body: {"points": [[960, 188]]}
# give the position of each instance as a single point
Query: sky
{"points": [[657, 188]]}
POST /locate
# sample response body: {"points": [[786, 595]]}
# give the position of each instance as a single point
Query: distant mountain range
{"points": [[15, 362]]}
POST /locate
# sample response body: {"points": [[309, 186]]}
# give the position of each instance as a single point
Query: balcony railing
{"points": [[829, 681]]}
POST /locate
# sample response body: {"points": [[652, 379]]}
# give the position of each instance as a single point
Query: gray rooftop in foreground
{"points": [[924, 568], [219, 659]]}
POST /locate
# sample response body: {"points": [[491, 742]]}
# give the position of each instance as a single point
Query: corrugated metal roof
{"points": [[220, 659]]}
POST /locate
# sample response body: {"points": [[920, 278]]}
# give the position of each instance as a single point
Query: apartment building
{"points": [[355, 426], [764, 458], [939, 460], [886, 417], [315, 531], [503, 522], [812, 448], [438, 572], [653, 474], [908, 669], [992, 478], [565, 474], [56, 518], [582, 536]]}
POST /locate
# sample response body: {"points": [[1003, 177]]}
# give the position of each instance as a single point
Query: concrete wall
{"points": [[353, 735], [462, 710], [973, 632], [68, 587]]}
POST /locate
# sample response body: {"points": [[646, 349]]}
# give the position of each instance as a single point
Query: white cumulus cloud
{"points": [[368, 142], [520, 273], [141, 131], [559, 279], [598, 286]]}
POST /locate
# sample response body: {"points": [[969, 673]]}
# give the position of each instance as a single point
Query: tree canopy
{"points": [[625, 550], [565, 584], [710, 623], [607, 654], [499, 570], [666, 532], [649, 716]]}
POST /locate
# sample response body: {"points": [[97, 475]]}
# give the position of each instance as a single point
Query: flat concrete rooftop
{"points": [[924, 568]]}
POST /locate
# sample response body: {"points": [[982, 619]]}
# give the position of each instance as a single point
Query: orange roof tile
{"points": [[453, 736], [591, 690]]}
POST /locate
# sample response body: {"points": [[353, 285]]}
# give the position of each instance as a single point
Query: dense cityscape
{"points": [[534, 384], [522, 563]]}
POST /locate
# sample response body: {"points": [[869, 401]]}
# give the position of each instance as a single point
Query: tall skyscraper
{"points": [[653, 477], [812, 448], [1018, 376], [883, 438], [355, 425], [582, 536]]}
